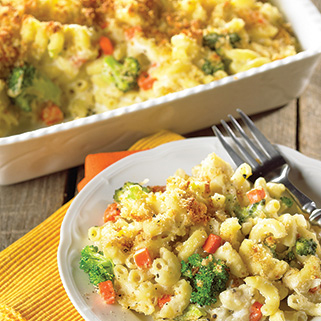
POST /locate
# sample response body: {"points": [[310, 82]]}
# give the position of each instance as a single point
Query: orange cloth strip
{"points": [[30, 285], [95, 163]]}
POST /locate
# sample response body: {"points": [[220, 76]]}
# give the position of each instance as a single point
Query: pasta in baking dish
{"points": [[207, 246], [103, 54]]}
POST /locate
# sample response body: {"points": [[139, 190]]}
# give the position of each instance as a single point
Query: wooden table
{"points": [[23, 206]]}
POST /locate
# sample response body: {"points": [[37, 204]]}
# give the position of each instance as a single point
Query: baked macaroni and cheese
{"points": [[65, 59], [207, 246]]}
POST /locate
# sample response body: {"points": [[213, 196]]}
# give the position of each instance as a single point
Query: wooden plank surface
{"points": [[309, 126], [25, 205], [309, 129]]}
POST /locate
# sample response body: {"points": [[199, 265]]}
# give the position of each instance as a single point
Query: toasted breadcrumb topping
{"points": [[10, 22]]}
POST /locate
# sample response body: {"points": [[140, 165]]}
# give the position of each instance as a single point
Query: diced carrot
{"points": [[130, 33], [111, 213], [158, 188], [145, 81], [77, 61], [212, 243], [163, 300], [52, 114], [255, 311], [256, 195], [106, 45], [107, 292], [104, 25], [315, 289], [142, 258]]}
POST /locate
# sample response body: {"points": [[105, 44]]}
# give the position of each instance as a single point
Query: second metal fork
{"points": [[267, 161]]}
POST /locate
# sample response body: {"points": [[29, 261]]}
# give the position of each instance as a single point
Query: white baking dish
{"points": [[47, 150]]}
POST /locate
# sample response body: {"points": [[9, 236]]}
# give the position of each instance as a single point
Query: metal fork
{"points": [[267, 161]]}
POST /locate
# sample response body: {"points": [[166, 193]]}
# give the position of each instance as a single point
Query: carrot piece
{"points": [[163, 300], [106, 45], [145, 81], [104, 25], [315, 289], [212, 243], [255, 311], [52, 114], [77, 61], [158, 188], [142, 258], [107, 292], [111, 213], [131, 32], [256, 195]]}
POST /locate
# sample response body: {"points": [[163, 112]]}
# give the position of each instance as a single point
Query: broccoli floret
{"points": [[130, 190], [288, 256], [213, 39], [207, 276], [123, 75], [249, 211], [234, 38], [210, 40], [96, 265], [243, 213], [305, 246], [211, 67], [288, 202], [191, 313], [28, 88]]}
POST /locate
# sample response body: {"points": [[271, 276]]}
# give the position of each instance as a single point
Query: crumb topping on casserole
{"points": [[91, 56]]}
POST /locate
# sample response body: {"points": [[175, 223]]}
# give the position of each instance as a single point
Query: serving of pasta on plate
{"points": [[206, 246], [66, 59]]}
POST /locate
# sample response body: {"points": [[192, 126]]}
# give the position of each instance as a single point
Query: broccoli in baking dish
{"points": [[123, 75], [214, 40], [207, 276], [28, 88], [210, 67]]}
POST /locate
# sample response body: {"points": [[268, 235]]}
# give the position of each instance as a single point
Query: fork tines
{"points": [[258, 156], [267, 161]]}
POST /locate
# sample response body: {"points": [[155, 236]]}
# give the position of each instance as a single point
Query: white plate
{"points": [[47, 150], [156, 165]]}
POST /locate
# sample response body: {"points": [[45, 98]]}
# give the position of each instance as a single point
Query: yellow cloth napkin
{"points": [[30, 285]]}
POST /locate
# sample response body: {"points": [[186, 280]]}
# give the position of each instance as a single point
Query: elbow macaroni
{"points": [[175, 223], [268, 290]]}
